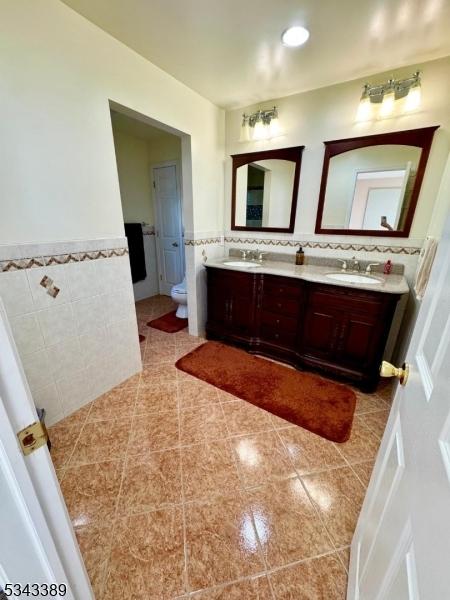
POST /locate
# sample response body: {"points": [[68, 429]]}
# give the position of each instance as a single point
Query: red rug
{"points": [[141, 338], [168, 323], [305, 399]]}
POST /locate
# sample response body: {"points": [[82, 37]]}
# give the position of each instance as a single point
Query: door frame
{"points": [[157, 215], [34, 475]]}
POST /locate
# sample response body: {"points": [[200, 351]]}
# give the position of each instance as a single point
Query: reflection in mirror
{"points": [[264, 189], [370, 188], [370, 184], [264, 193]]}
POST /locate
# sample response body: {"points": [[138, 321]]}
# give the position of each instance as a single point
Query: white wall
{"points": [[57, 169]]}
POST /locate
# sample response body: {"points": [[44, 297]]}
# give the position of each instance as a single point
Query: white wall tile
{"points": [[41, 298], [48, 398], [57, 324], [74, 390], [95, 346], [119, 305], [37, 370], [65, 357], [89, 314], [27, 333], [82, 280], [15, 293]]}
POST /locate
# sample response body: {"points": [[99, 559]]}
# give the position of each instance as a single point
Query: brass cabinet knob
{"points": [[388, 370]]}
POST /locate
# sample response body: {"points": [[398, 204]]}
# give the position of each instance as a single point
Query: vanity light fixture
{"points": [[386, 95], [295, 36], [261, 125]]}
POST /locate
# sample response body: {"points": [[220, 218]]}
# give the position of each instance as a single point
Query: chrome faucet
{"points": [[260, 255], [244, 254], [369, 267], [355, 265], [344, 263]]}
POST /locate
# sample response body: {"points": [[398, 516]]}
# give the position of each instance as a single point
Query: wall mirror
{"points": [[264, 190], [370, 185]]}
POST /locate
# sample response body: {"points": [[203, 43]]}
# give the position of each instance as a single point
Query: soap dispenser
{"points": [[299, 256]]}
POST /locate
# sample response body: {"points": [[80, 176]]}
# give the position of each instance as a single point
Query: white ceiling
{"points": [[230, 51], [137, 128]]}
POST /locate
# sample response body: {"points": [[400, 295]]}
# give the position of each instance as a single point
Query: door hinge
{"points": [[32, 437]]}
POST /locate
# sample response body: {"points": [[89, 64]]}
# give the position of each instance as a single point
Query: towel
{"points": [[133, 231], [426, 259]]}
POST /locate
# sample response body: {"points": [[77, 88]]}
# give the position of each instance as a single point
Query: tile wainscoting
{"points": [[82, 342]]}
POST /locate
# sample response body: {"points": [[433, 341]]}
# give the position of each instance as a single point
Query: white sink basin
{"points": [[241, 263], [353, 278]]}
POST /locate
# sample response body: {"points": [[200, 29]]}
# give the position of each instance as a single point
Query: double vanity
{"points": [[309, 316], [336, 320]]}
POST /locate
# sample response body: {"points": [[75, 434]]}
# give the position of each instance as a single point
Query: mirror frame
{"points": [[293, 154], [421, 138]]}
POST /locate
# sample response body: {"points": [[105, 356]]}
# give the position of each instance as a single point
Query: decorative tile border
{"points": [[7, 266], [204, 241], [327, 245]]}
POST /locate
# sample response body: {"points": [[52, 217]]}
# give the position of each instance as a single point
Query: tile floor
{"points": [[177, 489]]}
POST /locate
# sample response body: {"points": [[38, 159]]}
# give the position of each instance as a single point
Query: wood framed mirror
{"points": [[370, 185], [265, 189]]}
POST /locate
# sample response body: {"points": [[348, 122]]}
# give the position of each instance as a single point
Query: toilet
{"points": [[179, 295]]}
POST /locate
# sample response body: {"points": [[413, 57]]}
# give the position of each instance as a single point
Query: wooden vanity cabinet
{"points": [[337, 330]]}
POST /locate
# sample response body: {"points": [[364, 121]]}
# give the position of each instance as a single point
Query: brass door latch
{"points": [[33, 437]]}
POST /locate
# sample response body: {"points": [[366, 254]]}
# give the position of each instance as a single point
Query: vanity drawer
{"points": [[281, 287], [279, 322], [281, 305]]}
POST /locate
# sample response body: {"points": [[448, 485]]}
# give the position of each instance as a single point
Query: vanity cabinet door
{"points": [[231, 303], [320, 331]]}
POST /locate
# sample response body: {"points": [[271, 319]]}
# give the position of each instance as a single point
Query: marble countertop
{"points": [[389, 284]]}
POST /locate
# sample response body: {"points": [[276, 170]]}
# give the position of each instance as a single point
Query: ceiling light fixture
{"points": [[385, 96], [295, 36]]}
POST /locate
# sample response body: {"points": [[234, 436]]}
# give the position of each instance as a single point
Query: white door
{"points": [[401, 546], [37, 544], [169, 228]]}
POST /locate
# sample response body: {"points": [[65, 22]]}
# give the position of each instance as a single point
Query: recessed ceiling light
{"points": [[294, 36]]}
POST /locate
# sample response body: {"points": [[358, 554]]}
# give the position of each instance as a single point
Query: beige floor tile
{"points": [[364, 471], [256, 588], [261, 458], [91, 491], [363, 444], [160, 354], [63, 439], [221, 543], [147, 558], [368, 403], [242, 417], [201, 424], [157, 398], [154, 431], [197, 393], [95, 545], [79, 417], [111, 405], [309, 452], [157, 374], [209, 471], [344, 556], [287, 524], [150, 482], [279, 423], [317, 579], [338, 496], [101, 440], [376, 421]]}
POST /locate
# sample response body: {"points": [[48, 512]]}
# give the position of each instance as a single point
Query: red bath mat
{"points": [[305, 399], [168, 323], [141, 338]]}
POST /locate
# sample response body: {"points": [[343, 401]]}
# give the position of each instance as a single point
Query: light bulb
{"points": [[294, 36], [414, 98], [259, 131], [274, 127], [387, 106], [364, 111]]}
